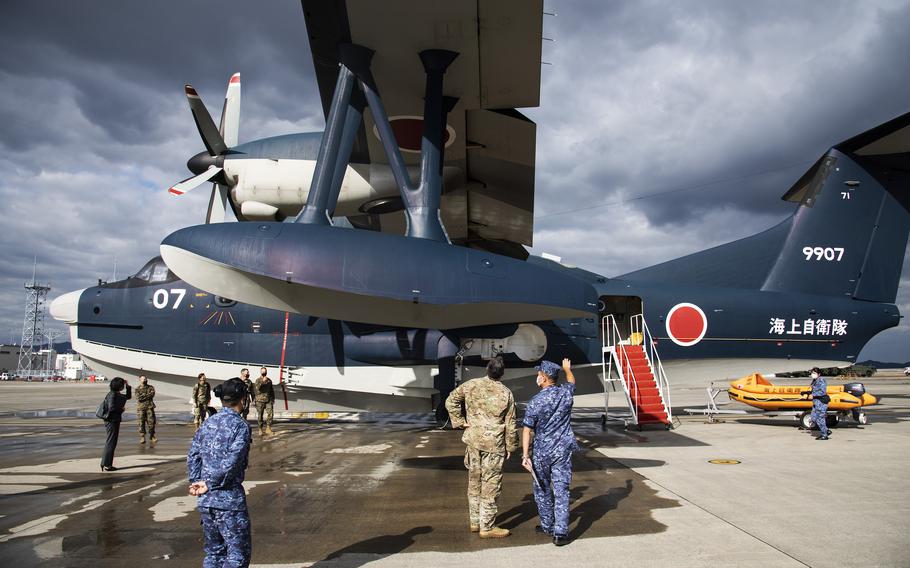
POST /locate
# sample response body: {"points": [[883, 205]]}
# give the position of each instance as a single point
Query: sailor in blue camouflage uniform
{"points": [[820, 400], [216, 464], [548, 416]]}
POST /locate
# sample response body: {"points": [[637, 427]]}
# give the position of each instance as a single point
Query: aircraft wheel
{"points": [[831, 421], [805, 421], [860, 417]]}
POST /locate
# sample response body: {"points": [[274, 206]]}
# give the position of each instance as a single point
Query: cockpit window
{"points": [[154, 272], [145, 272], [160, 273]]}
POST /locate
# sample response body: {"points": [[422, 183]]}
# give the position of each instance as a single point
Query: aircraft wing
{"points": [[489, 202]]}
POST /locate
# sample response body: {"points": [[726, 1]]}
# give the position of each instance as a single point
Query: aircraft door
{"points": [[622, 308]]}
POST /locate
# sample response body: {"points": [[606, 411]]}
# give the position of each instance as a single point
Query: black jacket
{"points": [[116, 402]]}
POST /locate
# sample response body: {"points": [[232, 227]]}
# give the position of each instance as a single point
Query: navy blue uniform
{"points": [[819, 408], [549, 414], [218, 456]]}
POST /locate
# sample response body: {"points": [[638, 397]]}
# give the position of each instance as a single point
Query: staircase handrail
{"points": [[611, 339], [648, 346]]}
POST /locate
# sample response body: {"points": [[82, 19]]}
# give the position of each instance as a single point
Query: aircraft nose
{"points": [[65, 308]]}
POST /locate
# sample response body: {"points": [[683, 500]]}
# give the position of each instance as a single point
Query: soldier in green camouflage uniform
{"points": [[491, 437], [250, 392], [202, 395], [265, 401], [145, 409]]}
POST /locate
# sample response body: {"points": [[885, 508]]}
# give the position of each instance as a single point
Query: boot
{"points": [[154, 440], [142, 438], [268, 431], [495, 532], [475, 528], [261, 431]]}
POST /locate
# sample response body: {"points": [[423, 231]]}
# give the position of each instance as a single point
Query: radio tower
{"points": [[30, 361]]}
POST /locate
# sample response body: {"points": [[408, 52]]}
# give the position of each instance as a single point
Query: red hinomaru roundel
{"points": [[686, 324]]}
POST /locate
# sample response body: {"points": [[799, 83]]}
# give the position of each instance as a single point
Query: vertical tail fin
{"points": [[849, 235]]}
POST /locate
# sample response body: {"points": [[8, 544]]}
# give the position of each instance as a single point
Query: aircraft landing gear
{"points": [[859, 416]]}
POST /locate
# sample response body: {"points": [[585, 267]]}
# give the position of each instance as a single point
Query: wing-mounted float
{"points": [[420, 279]]}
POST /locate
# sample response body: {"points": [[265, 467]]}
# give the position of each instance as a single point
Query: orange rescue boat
{"points": [[757, 391]]}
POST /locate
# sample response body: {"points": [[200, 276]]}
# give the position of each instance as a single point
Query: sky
{"points": [[664, 127]]}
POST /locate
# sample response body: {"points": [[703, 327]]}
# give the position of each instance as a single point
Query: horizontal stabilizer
{"points": [[195, 181], [888, 142], [892, 137]]}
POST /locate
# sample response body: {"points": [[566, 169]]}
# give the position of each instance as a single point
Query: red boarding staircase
{"points": [[642, 386], [638, 370]]}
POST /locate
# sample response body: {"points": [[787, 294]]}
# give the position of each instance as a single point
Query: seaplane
{"points": [[377, 263]]}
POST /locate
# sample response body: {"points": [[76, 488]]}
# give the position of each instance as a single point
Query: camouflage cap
{"points": [[549, 368]]}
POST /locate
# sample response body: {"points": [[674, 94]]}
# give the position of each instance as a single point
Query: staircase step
{"points": [[651, 408], [645, 399], [656, 415], [653, 420], [641, 377]]}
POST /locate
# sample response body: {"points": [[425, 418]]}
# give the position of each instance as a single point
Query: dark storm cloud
{"points": [[127, 61], [681, 95], [672, 126]]}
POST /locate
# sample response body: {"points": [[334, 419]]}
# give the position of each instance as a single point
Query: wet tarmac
{"points": [[392, 492]]}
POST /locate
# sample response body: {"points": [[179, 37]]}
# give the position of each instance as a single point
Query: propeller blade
{"points": [[213, 141], [195, 181], [230, 113], [217, 201]]}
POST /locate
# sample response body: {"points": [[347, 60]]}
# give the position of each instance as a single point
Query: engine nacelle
{"points": [[279, 188]]}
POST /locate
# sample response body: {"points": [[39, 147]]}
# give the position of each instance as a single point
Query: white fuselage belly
{"points": [[385, 388], [392, 389]]}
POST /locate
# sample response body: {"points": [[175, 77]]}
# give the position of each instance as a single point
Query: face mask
{"points": [[539, 381], [814, 375]]}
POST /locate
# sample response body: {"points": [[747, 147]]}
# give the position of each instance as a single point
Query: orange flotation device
{"points": [[757, 391]]}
